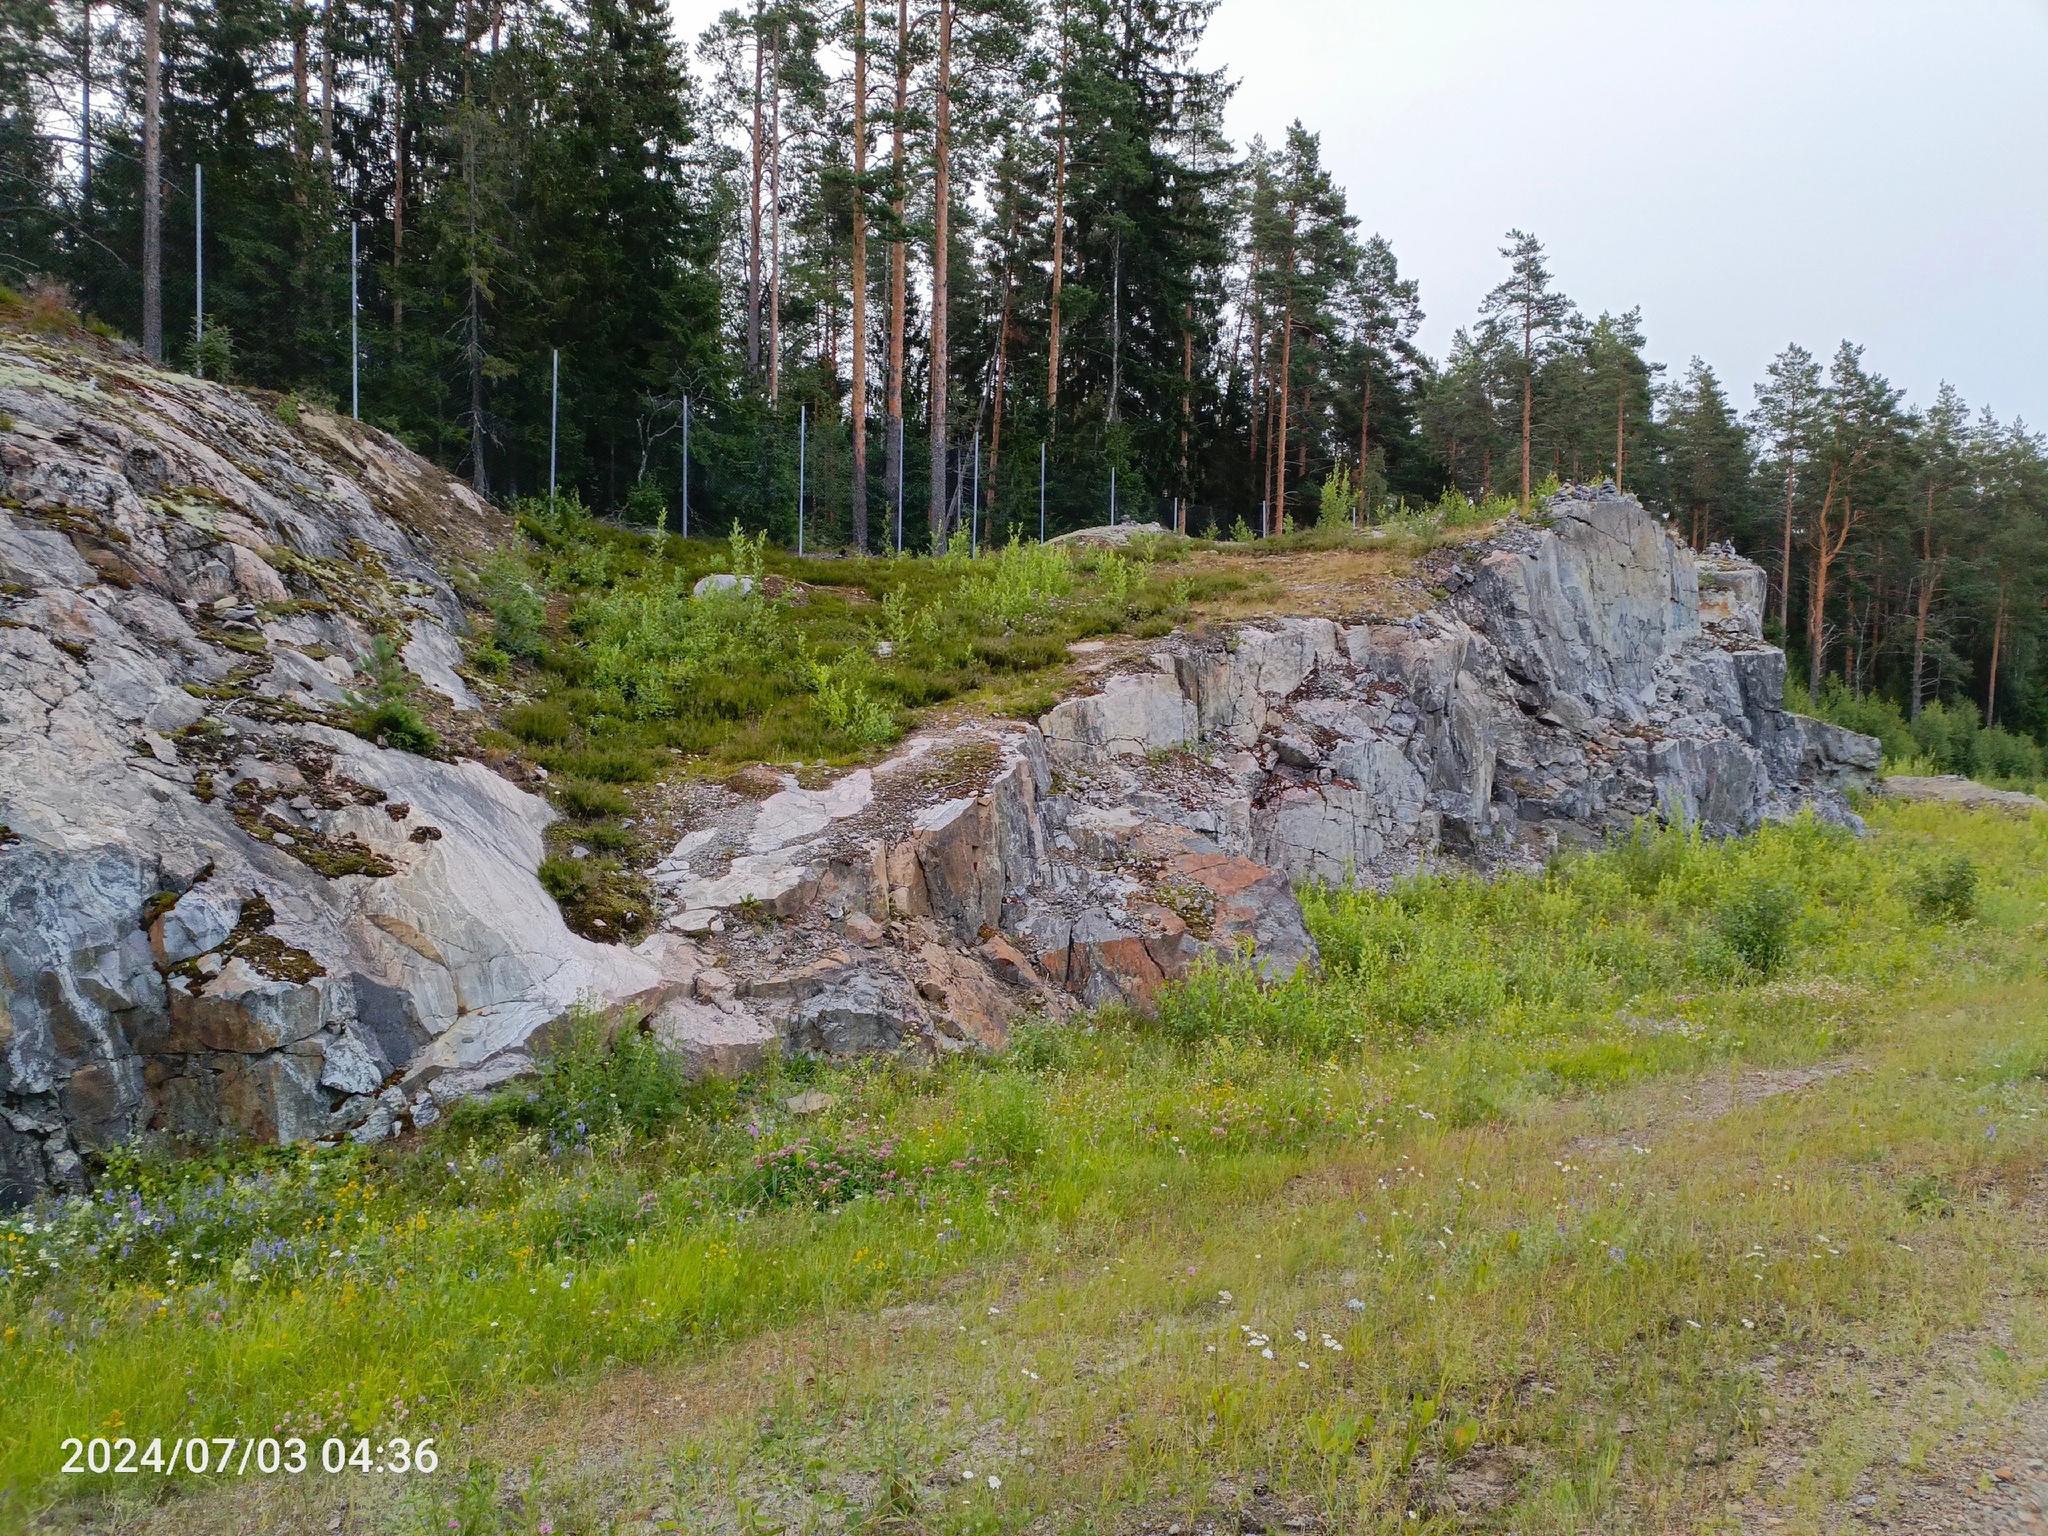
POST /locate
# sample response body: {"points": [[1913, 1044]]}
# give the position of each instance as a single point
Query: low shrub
{"points": [[1755, 918], [545, 723], [1997, 753], [387, 716], [1945, 888], [588, 801]]}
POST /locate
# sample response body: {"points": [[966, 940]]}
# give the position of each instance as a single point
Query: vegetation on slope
{"points": [[612, 1213]]}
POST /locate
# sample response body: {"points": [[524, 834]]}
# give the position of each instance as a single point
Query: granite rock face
{"points": [[221, 914], [1582, 673], [218, 913]]}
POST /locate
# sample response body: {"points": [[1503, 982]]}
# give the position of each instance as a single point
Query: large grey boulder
{"points": [[219, 916]]}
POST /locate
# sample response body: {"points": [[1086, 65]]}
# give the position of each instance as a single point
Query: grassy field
{"points": [[1522, 1214]]}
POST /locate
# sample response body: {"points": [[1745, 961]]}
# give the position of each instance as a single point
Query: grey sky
{"points": [[1748, 173]]}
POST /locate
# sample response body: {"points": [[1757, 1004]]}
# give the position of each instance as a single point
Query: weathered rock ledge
{"points": [[1578, 675], [220, 914]]}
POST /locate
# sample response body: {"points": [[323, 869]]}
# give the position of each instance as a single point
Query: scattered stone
{"points": [[812, 1103]]}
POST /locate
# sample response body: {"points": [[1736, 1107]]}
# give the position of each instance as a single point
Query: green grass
{"points": [[611, 1213], [827, 659]]}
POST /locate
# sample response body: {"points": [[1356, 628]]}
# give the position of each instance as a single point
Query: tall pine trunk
{"points": [[942, 193], [1620, 426], [398, 169], [754, 214], [995, 440], [1997, 637], [899, 264], [1785, 556], [1059, 264], [1924, 602], [1286, 392], [1364, 444], [152, 181], [859, 386], [327, 86], [775, 224], [1827, 544], [1528, 396]]}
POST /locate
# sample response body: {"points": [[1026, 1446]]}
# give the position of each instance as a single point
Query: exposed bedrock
{"points": [[1580, 674], [220, 914]]}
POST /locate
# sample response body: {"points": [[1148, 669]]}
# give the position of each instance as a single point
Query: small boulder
{"points": [[722, 582]]}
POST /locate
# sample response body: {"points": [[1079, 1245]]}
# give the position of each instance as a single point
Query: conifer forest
{"points": [[901, 269]]}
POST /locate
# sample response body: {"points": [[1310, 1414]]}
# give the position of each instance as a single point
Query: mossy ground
{"points": [[1601, 1186], [604, 669]]}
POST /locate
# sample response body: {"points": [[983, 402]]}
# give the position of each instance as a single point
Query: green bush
{"points": [[600, 1077], [387, 716], [1999, 754], [1945, 734], [544, 723], [1756, 921], [1872, 714], [588, 801], [618, 763], [1945, 888], [646, 505], [517, 613], [562, 877]]}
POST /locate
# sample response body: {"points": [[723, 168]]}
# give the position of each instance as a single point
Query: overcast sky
{"points": [[1750, 174]]}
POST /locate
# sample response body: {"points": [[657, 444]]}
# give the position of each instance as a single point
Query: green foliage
{"points": [[517, 613], [1241, 531], [212, 355], [646, 505], [1998, 755], [545, 723], [1756, 920], [1944, 888], [844, 701], [1019, 585], [588, 801], [606, 1074], [1946, 733], [1872, 714], [562, 877], [287, 409], [387, 715], [1337, 502]]}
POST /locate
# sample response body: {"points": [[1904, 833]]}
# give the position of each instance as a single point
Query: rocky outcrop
{"points": [[218, 912], [1581, 673]]}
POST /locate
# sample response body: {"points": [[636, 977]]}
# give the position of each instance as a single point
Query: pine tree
{"points": [[1526, 313]]}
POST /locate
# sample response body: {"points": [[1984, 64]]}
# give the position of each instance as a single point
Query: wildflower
{"points": [[994, 1481], [967, 1476], [1354, 1305], [1617, 1255], [1266, 1354], [1300, 1337], [1224, 1296]]}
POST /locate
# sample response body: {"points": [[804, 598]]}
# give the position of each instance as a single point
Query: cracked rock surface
{"points": [[219, 914], [222, 914]]}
